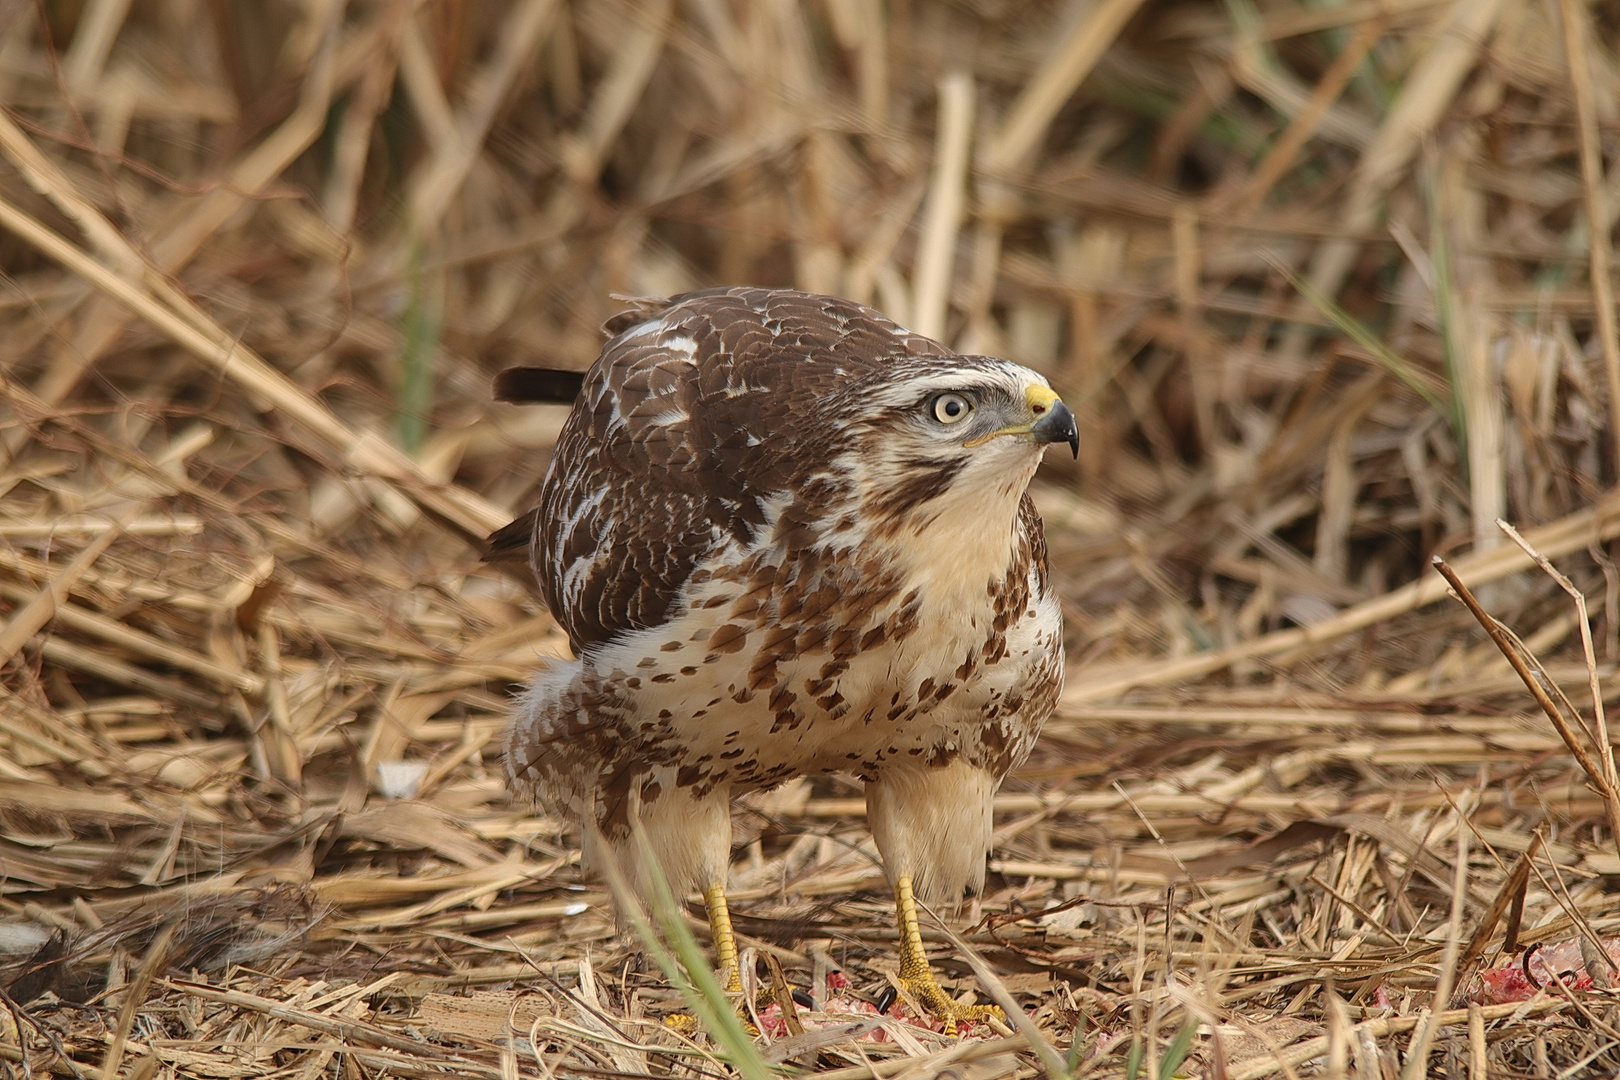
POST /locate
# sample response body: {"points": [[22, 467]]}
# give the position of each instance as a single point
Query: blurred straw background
{"points": [[1328, 284]]}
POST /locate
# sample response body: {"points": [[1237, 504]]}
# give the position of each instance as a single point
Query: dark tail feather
{"points": [[512, 540], [538, 386]]}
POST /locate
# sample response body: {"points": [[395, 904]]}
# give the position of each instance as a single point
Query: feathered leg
{"points": [[690, 836], [558, 754], [932, 827]]}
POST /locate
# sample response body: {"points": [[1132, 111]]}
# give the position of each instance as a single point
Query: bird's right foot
{"points": [[918, 978]]}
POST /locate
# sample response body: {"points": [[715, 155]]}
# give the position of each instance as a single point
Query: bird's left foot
{"points": [[918, 978]]}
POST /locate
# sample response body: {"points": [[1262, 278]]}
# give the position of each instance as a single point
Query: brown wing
{"points": [[694, 416]]}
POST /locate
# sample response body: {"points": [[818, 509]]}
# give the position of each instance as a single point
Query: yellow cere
{"points": [[1040, 398]]}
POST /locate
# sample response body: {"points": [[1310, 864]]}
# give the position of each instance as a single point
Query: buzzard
{"points": [[786, 536]]}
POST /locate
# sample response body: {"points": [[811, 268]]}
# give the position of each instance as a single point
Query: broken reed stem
{"points": [[947, 196], [1536, 681], [1589, 653], [1573, 16], [1573, 532], [33, 616], [1510, 893], [1069, 62]]}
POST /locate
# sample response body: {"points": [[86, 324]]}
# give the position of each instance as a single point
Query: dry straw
{"points": [[1329, 288]]}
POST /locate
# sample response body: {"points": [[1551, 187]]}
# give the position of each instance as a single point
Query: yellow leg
{"points": [[725, 942], [725, 958], [918, 978]]}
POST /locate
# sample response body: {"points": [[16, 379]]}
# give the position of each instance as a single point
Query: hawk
{"points": [[785, 537]]}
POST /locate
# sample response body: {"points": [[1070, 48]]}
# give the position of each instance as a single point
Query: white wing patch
{"points": [[683, 346]]}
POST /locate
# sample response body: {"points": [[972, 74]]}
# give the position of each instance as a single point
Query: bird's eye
{"points": [[951, 408]]}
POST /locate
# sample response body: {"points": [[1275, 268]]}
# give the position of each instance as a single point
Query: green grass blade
{"points": [[420, 329], [1179, 1048], [704, 995], [1133, 1058], [1413, 379]]}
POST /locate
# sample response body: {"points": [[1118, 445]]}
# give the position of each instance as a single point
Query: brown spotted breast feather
{"points": [[784, 536]]}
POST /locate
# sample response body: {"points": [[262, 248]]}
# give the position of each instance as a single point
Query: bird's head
{"points": [[964, 431]]}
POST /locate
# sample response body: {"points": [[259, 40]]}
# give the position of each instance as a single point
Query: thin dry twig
{"points": [[1605, 749], [1535, 680]]}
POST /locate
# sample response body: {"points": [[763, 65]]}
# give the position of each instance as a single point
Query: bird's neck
{"points": [[958, 546]]}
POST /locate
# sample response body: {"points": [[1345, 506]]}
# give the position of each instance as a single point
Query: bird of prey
{"points": [[786, 536]]}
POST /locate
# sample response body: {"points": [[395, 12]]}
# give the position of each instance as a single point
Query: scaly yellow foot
{"points": [[725, 942], [725, 956], [918, 978]]}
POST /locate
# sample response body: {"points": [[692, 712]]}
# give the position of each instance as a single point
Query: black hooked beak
{"points": [[1057, 426]]}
